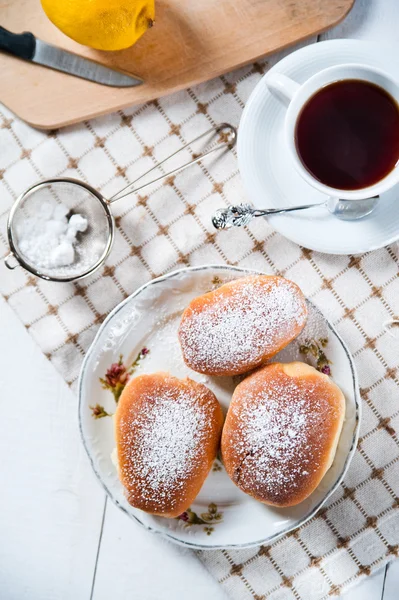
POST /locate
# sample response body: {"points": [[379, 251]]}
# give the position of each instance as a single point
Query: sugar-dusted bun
{"points": [[281, 432], [167, 435], [241, 325]]}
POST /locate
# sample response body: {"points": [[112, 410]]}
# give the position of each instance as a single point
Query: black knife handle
{"points": [[19, 44]]}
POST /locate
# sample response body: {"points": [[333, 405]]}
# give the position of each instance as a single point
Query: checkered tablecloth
{"points": [[169, 226]]}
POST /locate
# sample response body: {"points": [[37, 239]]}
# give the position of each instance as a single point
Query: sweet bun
{"points": [[281, 432], [167, 435], [241, 325]]}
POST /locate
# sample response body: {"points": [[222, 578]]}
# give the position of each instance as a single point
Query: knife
{"points": [[26, 46]]}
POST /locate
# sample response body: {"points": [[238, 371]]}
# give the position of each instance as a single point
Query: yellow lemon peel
{"points": [[102, 24]]}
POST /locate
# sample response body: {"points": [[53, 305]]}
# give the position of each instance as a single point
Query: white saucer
{"points": [[271, 180]]}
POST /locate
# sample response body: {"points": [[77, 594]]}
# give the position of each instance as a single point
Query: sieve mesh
{"points": [[91, 246]]}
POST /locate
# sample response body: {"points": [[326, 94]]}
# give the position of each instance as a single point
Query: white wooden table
{"points": [[59, 538]]}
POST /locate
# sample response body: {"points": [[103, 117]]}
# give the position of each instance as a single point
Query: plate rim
{"points": [[170, 536], [247, 112]]}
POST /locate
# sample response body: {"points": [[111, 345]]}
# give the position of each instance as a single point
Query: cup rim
{"points": [[291, 118]]}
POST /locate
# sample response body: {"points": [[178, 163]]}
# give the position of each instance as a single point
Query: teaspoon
{"points": [[242, 214]]}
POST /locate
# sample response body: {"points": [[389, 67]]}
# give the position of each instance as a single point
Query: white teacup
{"points": [[298, 95]]}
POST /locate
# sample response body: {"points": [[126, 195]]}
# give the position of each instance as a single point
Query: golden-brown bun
{"points": [[281, 432], [241, 325], [167, 435]]}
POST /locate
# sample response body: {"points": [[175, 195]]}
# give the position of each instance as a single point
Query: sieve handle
{"points": [[228, 138], [11, 265]]}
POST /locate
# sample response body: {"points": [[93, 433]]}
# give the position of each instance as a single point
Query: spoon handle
{"points": [[242, 214]]}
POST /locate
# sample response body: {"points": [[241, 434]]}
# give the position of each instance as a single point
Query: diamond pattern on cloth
{"points": [[169, 226]]}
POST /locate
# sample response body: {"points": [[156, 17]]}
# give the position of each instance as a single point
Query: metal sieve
{"points": [[93, 245]]}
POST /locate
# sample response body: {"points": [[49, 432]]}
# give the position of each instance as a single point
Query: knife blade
{"points": [[28, 47]]}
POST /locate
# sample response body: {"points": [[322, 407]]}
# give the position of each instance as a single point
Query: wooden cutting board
{"points": [[191, 41]]}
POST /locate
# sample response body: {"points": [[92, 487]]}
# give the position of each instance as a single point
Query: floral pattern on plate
{"points": [[213, 516], [115, 380]]}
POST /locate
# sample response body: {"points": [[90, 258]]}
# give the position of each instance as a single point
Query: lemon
{"points": [[101, 24]]}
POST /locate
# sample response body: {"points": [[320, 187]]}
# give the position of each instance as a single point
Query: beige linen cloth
{"points": [[169, 226]]}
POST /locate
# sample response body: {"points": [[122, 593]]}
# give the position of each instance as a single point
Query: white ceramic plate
{"points": [[222, 516], [270, 178]]}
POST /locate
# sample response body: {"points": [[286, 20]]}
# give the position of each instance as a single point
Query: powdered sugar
{"points": [[162, 443], [47, 239], [280, 436], [243, 325]]}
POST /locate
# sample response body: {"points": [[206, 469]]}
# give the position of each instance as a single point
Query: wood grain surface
{"points": [[189, 43]]}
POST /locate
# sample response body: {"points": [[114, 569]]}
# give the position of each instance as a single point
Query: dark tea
{"points": [[347, 135]]}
